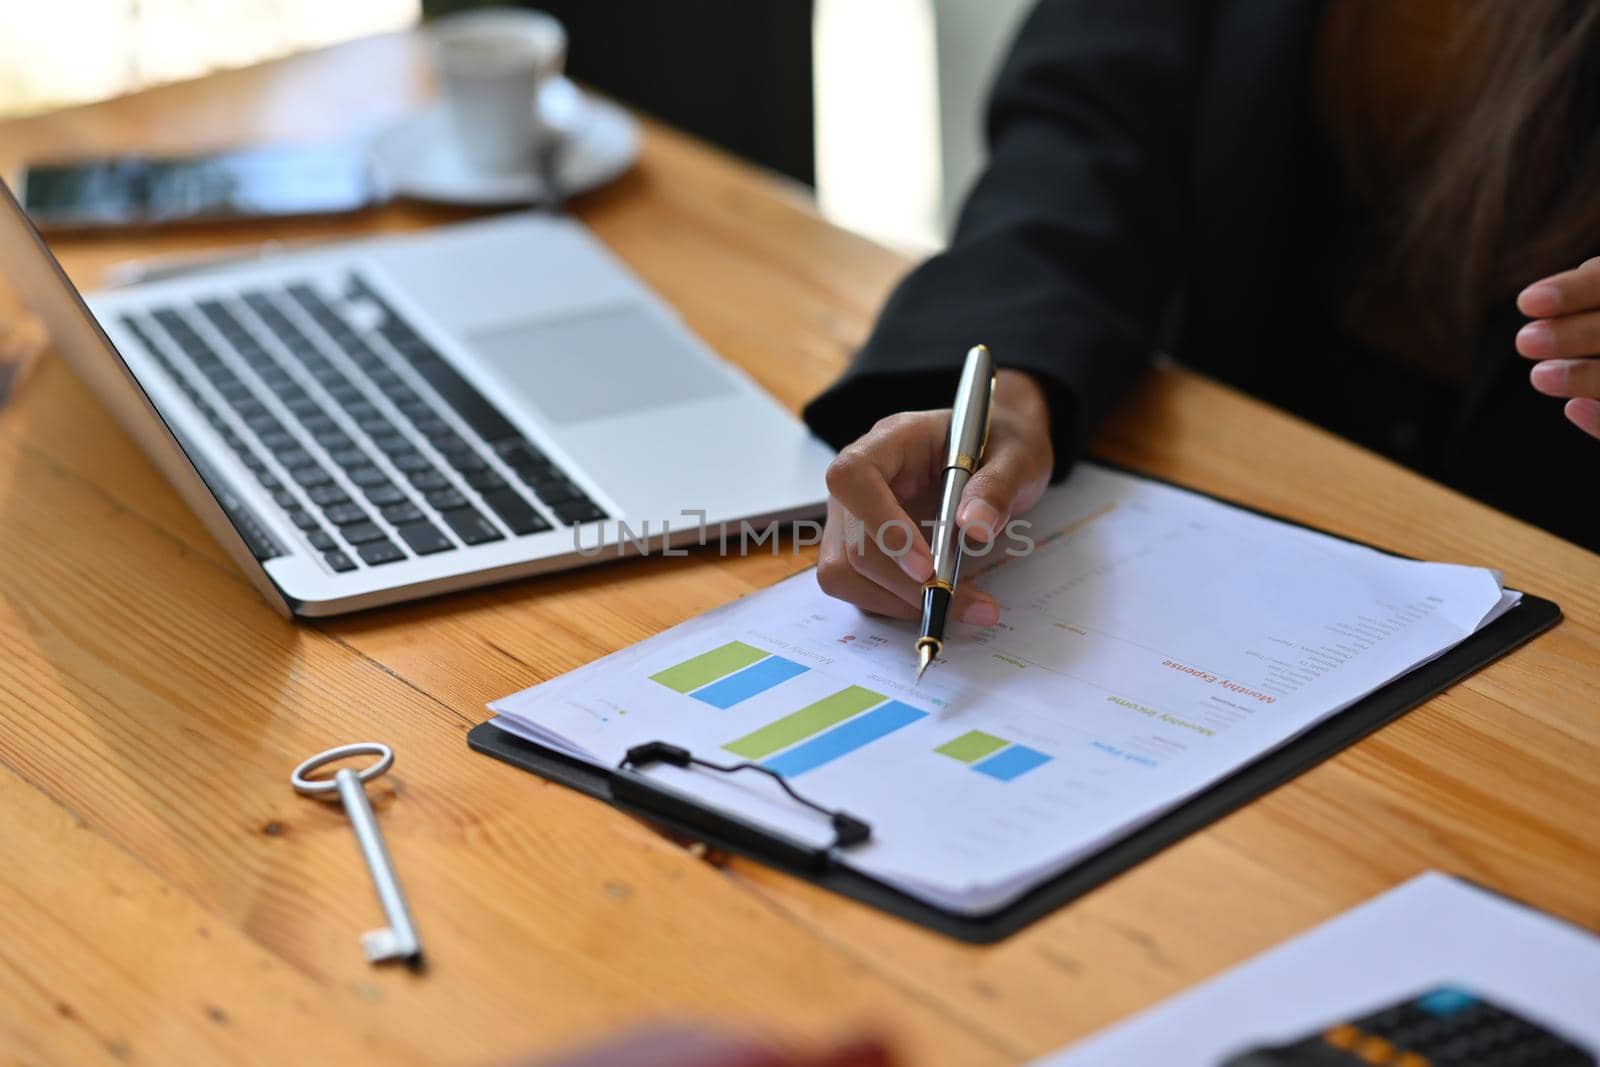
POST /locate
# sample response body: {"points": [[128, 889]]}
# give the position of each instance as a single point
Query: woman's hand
{"points": [[1565, 338], [882, 487]]}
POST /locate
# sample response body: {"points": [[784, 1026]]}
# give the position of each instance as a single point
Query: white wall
{"points": [[900, 87], [57, 52]]}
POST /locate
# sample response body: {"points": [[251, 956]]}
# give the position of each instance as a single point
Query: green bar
{"points": [[971, 746], [708, 666], [812, 719]]}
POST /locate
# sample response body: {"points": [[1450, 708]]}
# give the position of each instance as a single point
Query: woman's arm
{"points": [[1068, 249]]}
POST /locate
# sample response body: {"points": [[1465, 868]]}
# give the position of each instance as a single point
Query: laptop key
{"points": [[380, 552], [515, 512], [466, 462], [385, 495], [334, 440], [285, 499], [429, 480], [401, 513], [304, 519], [445, 499], [517, 451], [328, 495], [368, 477], [346, 514], [557, 491], [411, 461], [311, 475], [349, 457], [321, 541], [486, 481], [361, 533], [471, 526], [339, 561], [576, 511], [425, 538]]}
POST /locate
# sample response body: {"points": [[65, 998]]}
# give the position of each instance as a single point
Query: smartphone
{"points": [[137, 191]]}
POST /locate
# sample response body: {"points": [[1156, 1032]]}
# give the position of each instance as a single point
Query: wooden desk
{"points": [[166, 899]]}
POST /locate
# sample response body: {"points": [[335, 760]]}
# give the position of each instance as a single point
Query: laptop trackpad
{"points": [[597, 364]]}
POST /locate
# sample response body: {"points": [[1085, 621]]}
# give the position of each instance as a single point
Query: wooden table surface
{"points": [[166, 898]]}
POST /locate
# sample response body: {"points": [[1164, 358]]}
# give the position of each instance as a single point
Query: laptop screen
{"points": [[27, 265]]}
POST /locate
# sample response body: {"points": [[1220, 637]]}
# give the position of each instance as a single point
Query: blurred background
{"points": [[875, 104]]}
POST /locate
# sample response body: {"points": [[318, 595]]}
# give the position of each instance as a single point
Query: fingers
{"points": [[858, 571], [1567, 377], [837, 578], [1010, 481], [1568, 336], [1584, 413], [1563, 294], [895, 454]]}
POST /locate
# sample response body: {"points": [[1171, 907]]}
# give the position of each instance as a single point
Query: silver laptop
{"points": [[379, 420]]}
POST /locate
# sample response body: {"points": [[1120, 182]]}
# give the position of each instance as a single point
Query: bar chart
{"points": [[728, 674], [813, 743], [994, 756]]}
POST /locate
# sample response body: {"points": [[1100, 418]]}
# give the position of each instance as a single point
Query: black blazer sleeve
{"points": [[1067, 252]]}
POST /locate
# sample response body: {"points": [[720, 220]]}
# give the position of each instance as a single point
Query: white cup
{"points": [[491, 63]]}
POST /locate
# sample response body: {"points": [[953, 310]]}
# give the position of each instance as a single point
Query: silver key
{"points": [[398, 940]]}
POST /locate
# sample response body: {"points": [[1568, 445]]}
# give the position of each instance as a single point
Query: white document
{"points": [[1153, 642], [1431, 932]]}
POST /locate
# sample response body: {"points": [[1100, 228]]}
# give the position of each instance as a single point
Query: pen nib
{"points": [[925, 652]]}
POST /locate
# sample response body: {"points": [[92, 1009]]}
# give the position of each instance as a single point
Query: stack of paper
{"points": [[1153, 642]]}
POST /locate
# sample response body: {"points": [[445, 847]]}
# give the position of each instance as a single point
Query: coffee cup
{"points": [[491, 63]]}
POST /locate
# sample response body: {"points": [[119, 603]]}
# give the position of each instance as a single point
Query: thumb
{"points": [[997, 491]]}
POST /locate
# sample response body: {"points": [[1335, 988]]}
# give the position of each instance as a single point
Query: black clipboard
{"points": [[668, 809]]}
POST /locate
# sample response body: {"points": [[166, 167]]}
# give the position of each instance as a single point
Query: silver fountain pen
{"points": [[969, 433]]}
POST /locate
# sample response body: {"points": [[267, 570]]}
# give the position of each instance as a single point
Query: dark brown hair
{"points": [[1505, 186]]}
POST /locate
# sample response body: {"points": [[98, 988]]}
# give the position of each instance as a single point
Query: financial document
{"points": [[1151, 643]]}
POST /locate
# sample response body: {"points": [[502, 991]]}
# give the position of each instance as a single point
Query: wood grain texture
{"points": [[161, 868]]}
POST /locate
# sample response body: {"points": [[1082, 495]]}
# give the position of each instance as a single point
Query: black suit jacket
{"points": [[1152, 184]]}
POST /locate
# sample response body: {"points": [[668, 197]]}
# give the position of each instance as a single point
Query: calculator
{"points": [[1444, 1027]]}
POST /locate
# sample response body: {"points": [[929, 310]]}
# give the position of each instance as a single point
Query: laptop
{"points": [[379, 420]]}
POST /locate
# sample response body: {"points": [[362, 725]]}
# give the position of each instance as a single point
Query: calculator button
{"points": [[1374, 1050], [1447, 1002], [1343, 1036]]}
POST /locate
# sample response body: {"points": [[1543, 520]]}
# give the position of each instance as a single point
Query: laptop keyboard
{"points": [[370, 442]]}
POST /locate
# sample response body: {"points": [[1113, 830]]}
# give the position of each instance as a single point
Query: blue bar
{"points": [[742, 685], [1011, 762], [845, 738]]}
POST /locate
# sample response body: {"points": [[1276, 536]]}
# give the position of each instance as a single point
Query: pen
{"points": [[969, 433]]}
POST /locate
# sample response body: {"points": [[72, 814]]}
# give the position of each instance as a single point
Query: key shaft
{"points": [[399, 940]]}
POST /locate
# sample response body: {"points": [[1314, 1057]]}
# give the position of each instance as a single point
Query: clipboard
{"points": [[670, 810]]}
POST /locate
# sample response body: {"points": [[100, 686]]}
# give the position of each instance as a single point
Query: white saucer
{"points": [[417, 156]]}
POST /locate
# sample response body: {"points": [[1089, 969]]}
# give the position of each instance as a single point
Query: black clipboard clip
{"points": [[647, 797]]}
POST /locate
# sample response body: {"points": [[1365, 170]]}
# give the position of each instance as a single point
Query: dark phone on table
{"points": [[133, 191]]}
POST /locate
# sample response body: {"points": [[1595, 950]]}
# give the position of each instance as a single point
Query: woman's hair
{"points": [[1505, 186]]}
